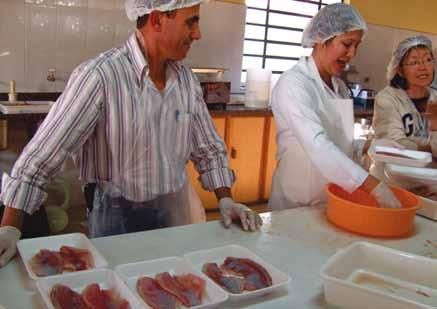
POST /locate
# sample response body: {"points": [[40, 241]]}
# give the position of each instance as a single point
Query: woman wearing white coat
{"points": [[310, 109]]}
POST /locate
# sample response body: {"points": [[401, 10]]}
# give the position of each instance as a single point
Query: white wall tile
{"points": [[12, 68], [101, 29], [60, 34], [11, 22], [71, 28], [41, 27], [72, 3], [11, 43], [106, 5], [40, 44], [38, 63], [123, 28]]}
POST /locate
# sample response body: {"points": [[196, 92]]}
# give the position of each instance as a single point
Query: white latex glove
{"points": [[385, 197], [9, 237], [229, 210]]}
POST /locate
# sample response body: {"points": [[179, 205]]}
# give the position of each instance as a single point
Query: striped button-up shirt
{"points": [[122, 133]]}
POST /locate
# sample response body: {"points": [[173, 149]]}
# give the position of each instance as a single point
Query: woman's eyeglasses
{"points": [[416, 63]]}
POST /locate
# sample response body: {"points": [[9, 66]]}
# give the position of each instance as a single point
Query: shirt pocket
{"points": [[177, 136]]}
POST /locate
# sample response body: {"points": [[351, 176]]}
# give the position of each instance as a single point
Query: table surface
{"points": [[297, 241], [41, 107]]}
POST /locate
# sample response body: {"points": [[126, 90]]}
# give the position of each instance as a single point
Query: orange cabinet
{"points": [[245, 147], [250, 140], [270, 157]]}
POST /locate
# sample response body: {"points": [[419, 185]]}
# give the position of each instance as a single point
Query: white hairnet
{"points": [[332, 20], [402, 49], [137, 8]]}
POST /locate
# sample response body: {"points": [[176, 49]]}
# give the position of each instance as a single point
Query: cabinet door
{"points": [[271, 159], [245, 152], [208, 198]]}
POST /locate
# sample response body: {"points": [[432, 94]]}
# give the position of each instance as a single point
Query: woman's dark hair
{"points": [[400, 82]]}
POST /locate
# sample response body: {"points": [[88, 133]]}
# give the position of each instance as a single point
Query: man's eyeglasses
{"points": [[416, 63]]}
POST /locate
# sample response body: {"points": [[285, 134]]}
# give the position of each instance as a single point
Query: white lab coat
{"points": [[313, 148]]}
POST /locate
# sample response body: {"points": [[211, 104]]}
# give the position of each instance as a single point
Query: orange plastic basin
{"points": [[359, 212]]}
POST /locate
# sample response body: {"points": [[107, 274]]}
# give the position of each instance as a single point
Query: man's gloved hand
{"points": [[385, 197], [229, 210], [9, 237]]}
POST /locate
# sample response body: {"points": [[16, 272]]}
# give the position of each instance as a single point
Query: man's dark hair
{"points": [[400, 82], [142, 20]]}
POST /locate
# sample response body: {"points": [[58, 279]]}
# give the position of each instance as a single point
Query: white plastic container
{"points": [[415, 158], [428, 208], [257, 93], [366, 275], [78, 281], [130, 273], [415, 175], [409, 177], [29, 247], [218, 255]]}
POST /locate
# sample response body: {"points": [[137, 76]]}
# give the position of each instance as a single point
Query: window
{"points": [[274, 31]]}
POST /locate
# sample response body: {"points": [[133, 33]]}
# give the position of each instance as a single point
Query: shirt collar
{"points": [[314, 74], [139, 60]]}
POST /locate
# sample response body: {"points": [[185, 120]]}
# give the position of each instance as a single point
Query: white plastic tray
{"points": [[175, 266], [395, 279], [29, 247], [415, 158], [218, 255], [428, 208], [78, 281], [417, 175]]}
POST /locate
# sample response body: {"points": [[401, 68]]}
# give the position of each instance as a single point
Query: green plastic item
{"points": [[57, 216]]}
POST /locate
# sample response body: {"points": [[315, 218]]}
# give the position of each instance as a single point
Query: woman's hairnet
{"points": [[137, 8], [402, 49], [332, 20]]}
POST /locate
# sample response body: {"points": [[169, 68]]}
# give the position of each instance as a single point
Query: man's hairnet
{"points": [[137, 8], [332, 20], [402, 49]]}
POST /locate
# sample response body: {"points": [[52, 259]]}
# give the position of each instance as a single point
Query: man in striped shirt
{"points": [[131, 119]]}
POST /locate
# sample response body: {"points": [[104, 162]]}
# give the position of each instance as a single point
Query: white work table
{"points": [[298, 242]]}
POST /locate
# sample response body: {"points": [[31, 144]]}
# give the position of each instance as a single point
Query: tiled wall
{"points": [[38, 35]]}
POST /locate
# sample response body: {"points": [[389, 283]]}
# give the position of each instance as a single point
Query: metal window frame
{"points": [[264, 55]]}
